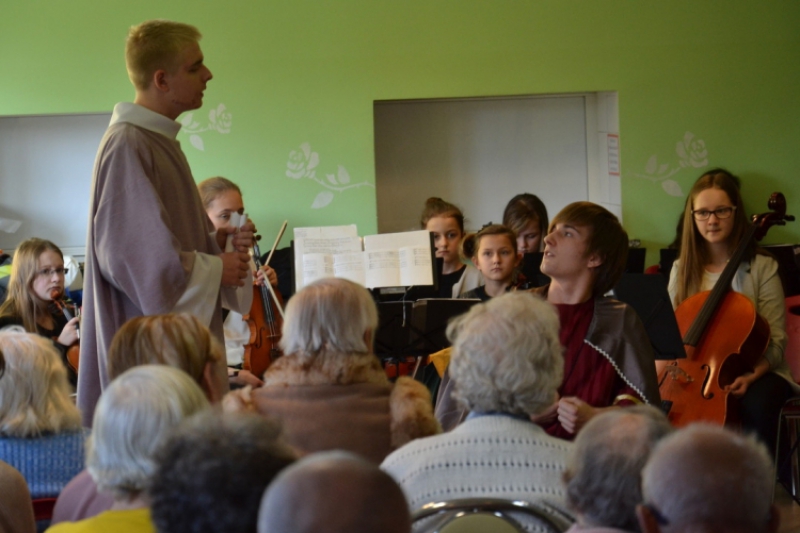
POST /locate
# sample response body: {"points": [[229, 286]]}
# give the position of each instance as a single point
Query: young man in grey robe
{"points": [[150, 246]]}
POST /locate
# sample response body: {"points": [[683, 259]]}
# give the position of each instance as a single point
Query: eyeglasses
{"points": [[720, 213], [47, 272]]}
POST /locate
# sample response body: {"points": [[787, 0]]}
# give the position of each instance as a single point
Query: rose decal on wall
{"points": [[219, 120], [692, 153], [303, 163]]}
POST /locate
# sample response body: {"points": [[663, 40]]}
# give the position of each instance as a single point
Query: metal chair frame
{"points": [[454, 509]]}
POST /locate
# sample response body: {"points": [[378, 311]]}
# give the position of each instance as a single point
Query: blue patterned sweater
{"points": [[47, 463]]}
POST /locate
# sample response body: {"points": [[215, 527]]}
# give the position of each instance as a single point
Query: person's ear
{"points": [[368, 339], [160, 80], [647, 521], [594, 261], [215, 384]]}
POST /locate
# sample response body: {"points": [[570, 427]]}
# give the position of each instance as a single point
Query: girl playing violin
{"points": [[221, 198], [494, 252], [714, 223], [446, 222], [37, 277], [526, 215]]}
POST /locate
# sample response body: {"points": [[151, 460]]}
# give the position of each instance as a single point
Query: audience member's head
{"points": [[506, 355], [335, 492], [706, 479], [606, 238], [134, 416], [212, 472], [178, 340], [329, 316], [604, 468], [156, 45], [34, 390]]}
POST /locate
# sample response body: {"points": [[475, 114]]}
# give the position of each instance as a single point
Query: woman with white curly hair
{"points": [[133, 418], [506, 366]]}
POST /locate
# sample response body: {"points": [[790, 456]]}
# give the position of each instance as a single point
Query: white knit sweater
{"points": [[491, 456]]}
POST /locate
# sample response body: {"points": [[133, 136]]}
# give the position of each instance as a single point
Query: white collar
{"points": [[145, 118]]}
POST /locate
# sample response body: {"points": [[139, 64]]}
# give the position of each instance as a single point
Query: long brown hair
{"points": [[694, 252], [22, 302], [212, 188]]}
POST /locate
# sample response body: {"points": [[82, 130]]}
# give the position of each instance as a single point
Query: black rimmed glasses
{"points": [[720, 213], [47, 272]]}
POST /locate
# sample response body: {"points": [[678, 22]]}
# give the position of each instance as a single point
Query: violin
{"points": [[74, 351], [723, 337], [265, 321]]}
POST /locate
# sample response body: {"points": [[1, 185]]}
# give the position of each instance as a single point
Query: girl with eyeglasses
{"points": [[37, 272], [714, 224]]}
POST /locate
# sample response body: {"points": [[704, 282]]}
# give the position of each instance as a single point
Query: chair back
{"points": [[489, 515], [792, 353]]}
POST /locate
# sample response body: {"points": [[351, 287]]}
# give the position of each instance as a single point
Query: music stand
{"points": [[636, 259], [648, 296], [393, 336], [429, 320]]}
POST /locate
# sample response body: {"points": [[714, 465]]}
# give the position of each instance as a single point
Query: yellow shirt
{"points": [[126, 521]]}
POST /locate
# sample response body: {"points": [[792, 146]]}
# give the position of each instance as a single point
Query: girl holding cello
{"points": [[714, 225], [221, 198], [35, 287]]}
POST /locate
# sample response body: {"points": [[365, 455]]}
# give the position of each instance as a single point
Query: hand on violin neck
{"points": [[267, 273], [235, 266]]}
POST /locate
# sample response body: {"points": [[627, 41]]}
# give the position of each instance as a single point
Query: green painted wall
{"points": [[289, 73]]}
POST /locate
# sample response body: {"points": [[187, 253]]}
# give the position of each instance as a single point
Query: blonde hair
{"points": [[34, 391], [154, 45], [212, 188], [178, 340], [22, 301]]}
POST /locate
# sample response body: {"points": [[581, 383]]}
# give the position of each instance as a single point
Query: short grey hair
{"points": [[605, 465], [134, 415], [507, 355], [34, 390], [330, 315], [708, 476]]}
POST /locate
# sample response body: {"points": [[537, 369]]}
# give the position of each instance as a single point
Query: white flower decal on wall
{"points": [[692, 153], [303, 163], [219, 120]]}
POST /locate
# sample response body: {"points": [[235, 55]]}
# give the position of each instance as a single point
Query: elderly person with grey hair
{"points": [[707, 479], [134, 416], [506, 365], [329, 389], [605, 466], [334, 492]]}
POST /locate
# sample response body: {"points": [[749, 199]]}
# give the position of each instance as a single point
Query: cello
{"points": [[265, 321], [723, 337]]}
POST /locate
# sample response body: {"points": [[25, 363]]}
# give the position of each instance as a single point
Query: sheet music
{"points": [[415, 266], [350, 266], [321, 240]]}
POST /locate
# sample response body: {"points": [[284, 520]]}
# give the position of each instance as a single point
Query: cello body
{"points": [[734, 340]]}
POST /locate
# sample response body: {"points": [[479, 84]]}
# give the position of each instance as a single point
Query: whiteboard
{"points": [[46, 167], [478, 154]]}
